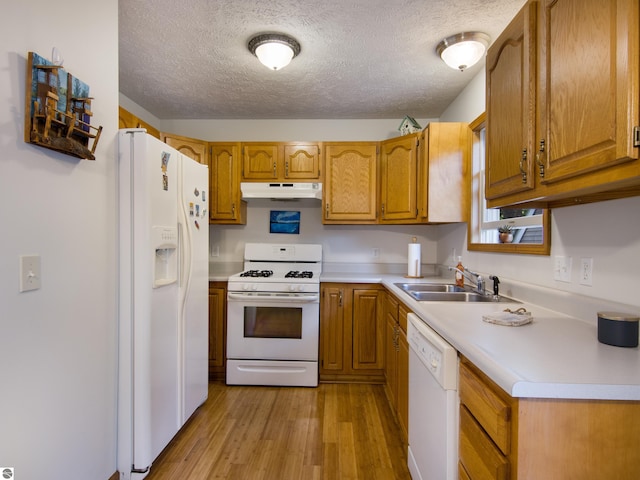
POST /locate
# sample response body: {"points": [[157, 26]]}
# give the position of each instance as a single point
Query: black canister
{"points": [[619, 329]]}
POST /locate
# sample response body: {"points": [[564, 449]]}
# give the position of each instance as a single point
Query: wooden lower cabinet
{"points": [[351, 333], [397, 361], [502, 437], [217, 329]]}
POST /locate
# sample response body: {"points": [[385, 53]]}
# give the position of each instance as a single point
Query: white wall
{"points": [[275, 130], [58, 354], [341, 243], [608, 232], [288, 130]]}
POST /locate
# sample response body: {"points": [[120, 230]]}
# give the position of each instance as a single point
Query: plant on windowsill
{"points": [[505, 233]]}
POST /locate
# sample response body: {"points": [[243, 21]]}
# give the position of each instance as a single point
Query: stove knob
{"points": [[254, 287]]}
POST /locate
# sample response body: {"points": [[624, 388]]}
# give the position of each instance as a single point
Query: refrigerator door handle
{"points": [[180, 254]]}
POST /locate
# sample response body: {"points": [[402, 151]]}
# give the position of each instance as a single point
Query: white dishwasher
{"points": [[433, 404]]}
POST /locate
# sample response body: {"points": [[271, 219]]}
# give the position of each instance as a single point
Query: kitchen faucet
{"points": [[478, 280]]}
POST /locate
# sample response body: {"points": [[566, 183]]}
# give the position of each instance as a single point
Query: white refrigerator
{"points": [[163, 296]]}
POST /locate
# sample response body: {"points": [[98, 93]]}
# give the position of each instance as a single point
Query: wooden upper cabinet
{"points": [[424, 177], [510, 68], [563, 99], [260, 161], [350, 182], [587, 110], [191, 147], [399, 179], [280, 161], [225, 199], [445, 173], [302, 161], [126, 119]]}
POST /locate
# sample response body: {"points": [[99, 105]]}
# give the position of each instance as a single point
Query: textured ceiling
{"points": [[360, 58]]}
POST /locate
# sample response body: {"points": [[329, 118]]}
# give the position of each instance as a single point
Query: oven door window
{"points": [[273, 322]]}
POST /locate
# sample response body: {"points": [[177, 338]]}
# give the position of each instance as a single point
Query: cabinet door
{"points": [[191, 147], [302, 161], [585, 75], [217, 324], [350, 182], [399, 179], [260, 161], [368, 329], [445, 172], [332, 330], [225, 201], [402, 406], [390, 360], [510, 107]]}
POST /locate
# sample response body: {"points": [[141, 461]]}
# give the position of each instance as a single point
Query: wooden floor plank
{"points": [[333, 432]]}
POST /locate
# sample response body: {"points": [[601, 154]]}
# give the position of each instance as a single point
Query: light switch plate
{"points": [[29, 272]]}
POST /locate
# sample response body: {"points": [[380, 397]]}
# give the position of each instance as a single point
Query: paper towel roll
{"points": [[413, 264]]}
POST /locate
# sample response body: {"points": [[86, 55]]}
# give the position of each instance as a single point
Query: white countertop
{"points": [[556, 356]]}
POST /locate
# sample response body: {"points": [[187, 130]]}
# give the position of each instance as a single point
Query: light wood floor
{"points": [[335, 431]]}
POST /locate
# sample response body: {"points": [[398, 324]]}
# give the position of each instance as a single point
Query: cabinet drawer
{"points": [[491, 411], [478, 455]]}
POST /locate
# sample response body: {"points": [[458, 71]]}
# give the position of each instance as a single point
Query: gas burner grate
{"points": [[257, 273], [297, 274]]}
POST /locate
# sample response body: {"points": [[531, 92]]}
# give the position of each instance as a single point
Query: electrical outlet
{"points": [[29, 272], [375, 252], [586, 271], [562, 269]]}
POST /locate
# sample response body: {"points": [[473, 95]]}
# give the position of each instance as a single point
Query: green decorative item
{"points": [[505, 233]]}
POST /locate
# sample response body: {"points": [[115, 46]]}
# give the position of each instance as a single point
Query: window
{"points": [[528, 228]]}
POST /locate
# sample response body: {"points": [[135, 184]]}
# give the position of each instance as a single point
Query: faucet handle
{"points": [[496, 283]]}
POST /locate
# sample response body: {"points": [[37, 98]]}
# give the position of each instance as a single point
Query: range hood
{"points": [[286, 191]]}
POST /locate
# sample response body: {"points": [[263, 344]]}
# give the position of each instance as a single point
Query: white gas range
{"points": [[273, 316]]}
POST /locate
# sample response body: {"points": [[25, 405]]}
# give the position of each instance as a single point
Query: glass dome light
{"points": [[274, 50], [463, 50]]}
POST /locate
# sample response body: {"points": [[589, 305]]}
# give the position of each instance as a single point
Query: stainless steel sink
{"points": [[429, 287], [437, 292]]}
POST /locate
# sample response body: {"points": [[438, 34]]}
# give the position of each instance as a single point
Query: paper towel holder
{"points": [[417, 260]]}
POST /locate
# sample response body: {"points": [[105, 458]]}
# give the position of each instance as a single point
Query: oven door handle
{"points": [[312, 297]]}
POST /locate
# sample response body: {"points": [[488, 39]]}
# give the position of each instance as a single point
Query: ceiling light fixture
{"points": [[274, 50], [463, 50]]}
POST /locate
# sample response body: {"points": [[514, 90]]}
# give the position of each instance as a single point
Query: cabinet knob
{"points": [[540, 156], [523, 162], [274, 169]]}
